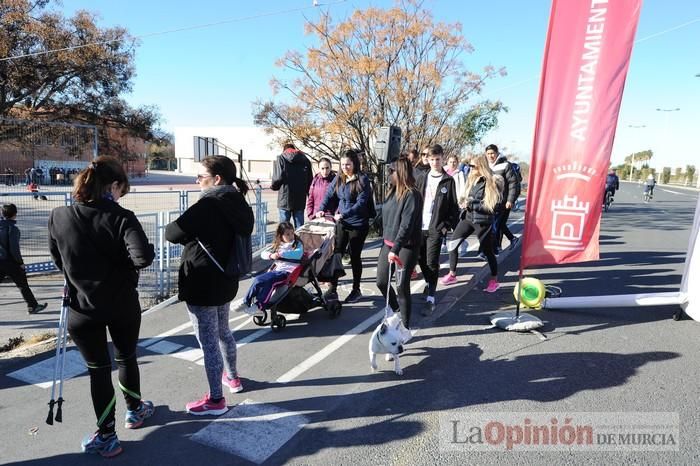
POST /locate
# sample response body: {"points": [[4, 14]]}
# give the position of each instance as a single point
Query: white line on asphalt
{"points": [[38, 373], [253, 336], [330, 348]]}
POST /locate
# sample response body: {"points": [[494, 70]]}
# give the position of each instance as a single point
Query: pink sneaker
{"points": [[448, 279], [205, 407], [492, 287], [234, 384]]}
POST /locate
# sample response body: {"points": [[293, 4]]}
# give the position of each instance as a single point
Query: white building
{"points": [[259, 149]]}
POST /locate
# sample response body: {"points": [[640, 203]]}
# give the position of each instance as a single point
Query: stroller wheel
{"points": [[260, 320], [278, 323]]}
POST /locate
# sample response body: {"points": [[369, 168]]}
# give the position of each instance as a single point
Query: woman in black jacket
{"points": [[221, 213], [480, 200], [100, 247], [401, 217]]}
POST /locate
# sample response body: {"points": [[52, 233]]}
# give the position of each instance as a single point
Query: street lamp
{"points": [[632, 161], [667, 112]]}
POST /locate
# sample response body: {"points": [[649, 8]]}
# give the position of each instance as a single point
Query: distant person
{"points": [[452, 169], [439, 215], [649, 185], [11, 262], [220, 213], [500, 165], [413, 157], [100, 247], [612, 182], [319, 187], [291, 176], [352, 192], [422, 166]]}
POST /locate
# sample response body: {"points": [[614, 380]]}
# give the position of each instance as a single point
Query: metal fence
{"points": [[154, 210]]}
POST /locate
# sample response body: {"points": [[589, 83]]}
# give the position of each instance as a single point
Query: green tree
{"points": [[689, 173], [666, 175], [67, 69], [161, 152], [379, 68]]}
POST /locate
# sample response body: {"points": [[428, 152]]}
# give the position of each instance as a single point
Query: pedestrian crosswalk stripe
{"points": [[40, 373], [253, 431]]}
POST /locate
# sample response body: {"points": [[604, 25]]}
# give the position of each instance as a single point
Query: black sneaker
{"points": [[330, 295], [354, 295], [37, 308], [428, 309]]}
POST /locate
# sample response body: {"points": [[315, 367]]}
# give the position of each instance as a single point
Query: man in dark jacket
{"points": [[511, 191], [440, 213], [292, 176], [11, 262]]}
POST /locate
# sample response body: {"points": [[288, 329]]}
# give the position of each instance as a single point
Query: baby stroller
{"points": [[318, 263]]}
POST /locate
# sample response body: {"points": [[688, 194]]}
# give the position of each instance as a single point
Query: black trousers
{"points": [[429, 259], [19, 276], [354, 240], [90, 336], [409, 257], [485, 234]]}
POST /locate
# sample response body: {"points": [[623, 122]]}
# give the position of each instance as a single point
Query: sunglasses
{"points": [[472, 166]]}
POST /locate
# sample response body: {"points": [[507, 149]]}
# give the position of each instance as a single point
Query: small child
{"points": [[286, 245]]}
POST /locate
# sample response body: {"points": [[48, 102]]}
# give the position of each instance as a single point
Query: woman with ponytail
{"points": [[100, 248], [212, 222], [479, 200]]}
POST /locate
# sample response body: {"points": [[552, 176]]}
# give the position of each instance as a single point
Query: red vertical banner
{"points": [[586, 57]]}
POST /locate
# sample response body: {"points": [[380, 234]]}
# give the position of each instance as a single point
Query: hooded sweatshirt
{"points": [[220, 213], [291, 176]]}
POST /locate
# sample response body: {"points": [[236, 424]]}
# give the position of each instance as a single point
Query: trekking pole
{"points": [[59, 361]]}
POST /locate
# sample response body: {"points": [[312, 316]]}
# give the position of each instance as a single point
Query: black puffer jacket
{"points": [[220, 213], [100, 246], [292, 176], [476, 212]]}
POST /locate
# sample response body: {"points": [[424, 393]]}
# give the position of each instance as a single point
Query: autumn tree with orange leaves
{"points": [[377, 68]]}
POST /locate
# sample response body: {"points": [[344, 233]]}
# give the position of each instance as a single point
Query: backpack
{"points": [[240, 259], [516, 170]]}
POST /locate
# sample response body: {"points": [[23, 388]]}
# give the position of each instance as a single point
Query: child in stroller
{"points": [[286, 293]]}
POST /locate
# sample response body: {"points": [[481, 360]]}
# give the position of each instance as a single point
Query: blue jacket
{"points": [[355, 209]]}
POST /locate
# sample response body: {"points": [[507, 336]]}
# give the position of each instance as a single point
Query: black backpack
{"points": [[516, 170]]}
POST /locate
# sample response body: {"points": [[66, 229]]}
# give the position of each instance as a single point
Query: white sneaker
{"points": [[250, 310]]}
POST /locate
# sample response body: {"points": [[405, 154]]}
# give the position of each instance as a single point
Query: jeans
{"points": [[297, 215], [262, 286]]}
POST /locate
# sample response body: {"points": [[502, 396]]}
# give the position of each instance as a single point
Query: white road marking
{"points": [[330, 348], [189, 354], [165, 347], [38, 373], [253, 431]]}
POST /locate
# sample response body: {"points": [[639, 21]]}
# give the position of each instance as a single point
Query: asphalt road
{"points": [[310, 397]]}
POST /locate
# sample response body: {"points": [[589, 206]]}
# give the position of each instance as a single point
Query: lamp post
{"points": [[632, 161], [667, 112]]}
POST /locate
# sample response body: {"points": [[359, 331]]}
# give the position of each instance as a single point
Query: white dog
{"points": [[387, 339]]}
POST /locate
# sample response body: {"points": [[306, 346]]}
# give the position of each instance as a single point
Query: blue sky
{"points": [[210, 76]]}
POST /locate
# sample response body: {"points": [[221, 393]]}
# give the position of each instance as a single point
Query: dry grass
{"points": [[19, 342]]}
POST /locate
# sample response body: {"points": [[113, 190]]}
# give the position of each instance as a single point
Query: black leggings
{"points": [[409, 257], [90, 336], [484, 233], [355, 241]]}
